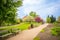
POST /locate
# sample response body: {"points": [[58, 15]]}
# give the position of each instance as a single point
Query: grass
{"points": [[36, 38], [22, 26], [42, 30], [36, 24], [55, 31]]}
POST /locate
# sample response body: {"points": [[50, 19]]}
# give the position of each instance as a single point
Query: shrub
{"points": [[55, 31]]}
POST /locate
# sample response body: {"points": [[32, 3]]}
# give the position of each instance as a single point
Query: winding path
{"points": [[28, 34]]}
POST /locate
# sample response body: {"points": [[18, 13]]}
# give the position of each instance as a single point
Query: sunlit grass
{"points": [[42, 30], [36, 38], [22, 26]]}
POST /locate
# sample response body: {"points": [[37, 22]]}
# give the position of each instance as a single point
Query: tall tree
{"points": [[53, 19], [8, 10]]}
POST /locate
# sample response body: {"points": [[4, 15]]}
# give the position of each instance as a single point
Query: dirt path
{"points": [[28, 34], [46, 35]]}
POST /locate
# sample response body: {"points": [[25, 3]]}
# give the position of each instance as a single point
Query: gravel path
{"points": [[28, 34]]}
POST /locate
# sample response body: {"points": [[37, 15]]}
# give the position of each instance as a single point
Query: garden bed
{"points": [[45, 34]]}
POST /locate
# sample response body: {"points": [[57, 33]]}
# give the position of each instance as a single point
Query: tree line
{"points": [[52, 19]]}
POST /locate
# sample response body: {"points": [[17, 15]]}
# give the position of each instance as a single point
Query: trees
{"points": [[28, 19], [8, 10], [33, 14], [48, 19], [58, 20], [51, 19], [38, 19]]}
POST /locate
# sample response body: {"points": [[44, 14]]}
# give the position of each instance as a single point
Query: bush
{"points": [[55, 31]]}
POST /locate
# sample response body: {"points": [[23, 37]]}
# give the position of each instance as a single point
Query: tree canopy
{"points": [[51, 19], [8, 10], [33, 14]]}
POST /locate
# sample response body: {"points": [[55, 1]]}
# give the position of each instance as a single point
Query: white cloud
{"points": [[32, 2], [40, 7], [47, 9]]}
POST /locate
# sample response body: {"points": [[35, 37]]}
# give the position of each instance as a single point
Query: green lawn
{"points": [[22, 26]]}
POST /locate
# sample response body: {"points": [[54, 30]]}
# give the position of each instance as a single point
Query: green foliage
{"points": [[42, 30], [24, 26], [8, 10], [36, 38], [18, 21], [51, 19], [53, 31], [28, 19], [48, 19], [58, 20], [21, 26], [33, 14], [56, 30]]}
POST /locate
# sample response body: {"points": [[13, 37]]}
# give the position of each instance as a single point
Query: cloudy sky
{"points": [[42, 7]]}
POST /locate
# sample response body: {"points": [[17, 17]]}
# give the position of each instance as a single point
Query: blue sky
{"points": [[42, 7]]}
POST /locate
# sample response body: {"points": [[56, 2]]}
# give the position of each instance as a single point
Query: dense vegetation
{"points": [[56, 30], [8, 10], [50, 19]]}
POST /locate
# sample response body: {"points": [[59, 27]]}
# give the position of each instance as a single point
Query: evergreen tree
{"points": [[53, 19]]}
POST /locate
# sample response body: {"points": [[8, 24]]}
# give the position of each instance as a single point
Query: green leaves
{"points": [[33, 14], [48, 19], [51, 19], [8, 10]]}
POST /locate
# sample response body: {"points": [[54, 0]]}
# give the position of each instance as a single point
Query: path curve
{"points": [[28, 34]]}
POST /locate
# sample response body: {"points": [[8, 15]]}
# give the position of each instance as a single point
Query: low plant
{"points": [[42, 30], [55, 31], [36, 38]]}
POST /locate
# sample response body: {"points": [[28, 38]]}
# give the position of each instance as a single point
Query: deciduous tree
{"points": [[8, 10]]}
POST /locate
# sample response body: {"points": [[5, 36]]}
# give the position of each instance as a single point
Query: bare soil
{"points": [[46, 35]]}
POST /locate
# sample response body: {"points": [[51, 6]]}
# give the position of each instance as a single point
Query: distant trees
{"points": [[8, 10], [28, 19], [18, 21], [58, 20], [38, 19], [48, 20], [33, 14], [51, 19]]}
